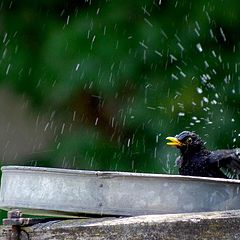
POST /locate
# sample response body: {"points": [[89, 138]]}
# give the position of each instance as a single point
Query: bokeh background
{"points": [[99, 85]]}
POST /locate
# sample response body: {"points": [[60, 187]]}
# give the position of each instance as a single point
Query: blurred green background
{"points": [[99, 85]]}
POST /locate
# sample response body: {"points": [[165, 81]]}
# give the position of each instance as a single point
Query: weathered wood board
{"points": [[198, 226]]}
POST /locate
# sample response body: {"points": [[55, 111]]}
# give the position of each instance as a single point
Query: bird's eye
{"points": [[189, 140]]}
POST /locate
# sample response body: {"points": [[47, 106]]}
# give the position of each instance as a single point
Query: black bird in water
{"points": [[196, 160]]}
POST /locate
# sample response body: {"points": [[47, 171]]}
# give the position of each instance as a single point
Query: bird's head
{"points": [[187, 142]]}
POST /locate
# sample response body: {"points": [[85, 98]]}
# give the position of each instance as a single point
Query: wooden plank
{"points": [[212, 225]]}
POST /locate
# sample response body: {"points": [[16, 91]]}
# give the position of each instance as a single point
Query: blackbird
{"points": [[196, 160]]}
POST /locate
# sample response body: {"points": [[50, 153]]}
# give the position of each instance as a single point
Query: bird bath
{"points": [[64, 192]]}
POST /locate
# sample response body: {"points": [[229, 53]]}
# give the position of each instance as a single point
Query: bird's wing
{"points": [[227, 160]]}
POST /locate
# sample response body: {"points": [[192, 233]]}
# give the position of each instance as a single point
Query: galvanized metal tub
{"points": [[49, 191]]}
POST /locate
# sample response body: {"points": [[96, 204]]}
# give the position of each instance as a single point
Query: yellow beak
{"points": [[174, 142]]}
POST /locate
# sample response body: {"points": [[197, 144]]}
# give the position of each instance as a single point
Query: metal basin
{"points": [[49, 191]]}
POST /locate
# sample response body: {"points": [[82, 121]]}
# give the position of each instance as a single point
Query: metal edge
{"points": [[111, 174], [42, 212], [45, 211]]}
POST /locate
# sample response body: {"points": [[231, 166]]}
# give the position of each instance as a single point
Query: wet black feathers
{"points": [[196, 160], [228, 161]]}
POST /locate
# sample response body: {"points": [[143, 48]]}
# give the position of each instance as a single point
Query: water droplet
{"points": [[181, 114], [205, 100], [77, 66], [68, 18], [8, 68], [63, 126], [199, 90], [199, 47], [223, 35]]}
